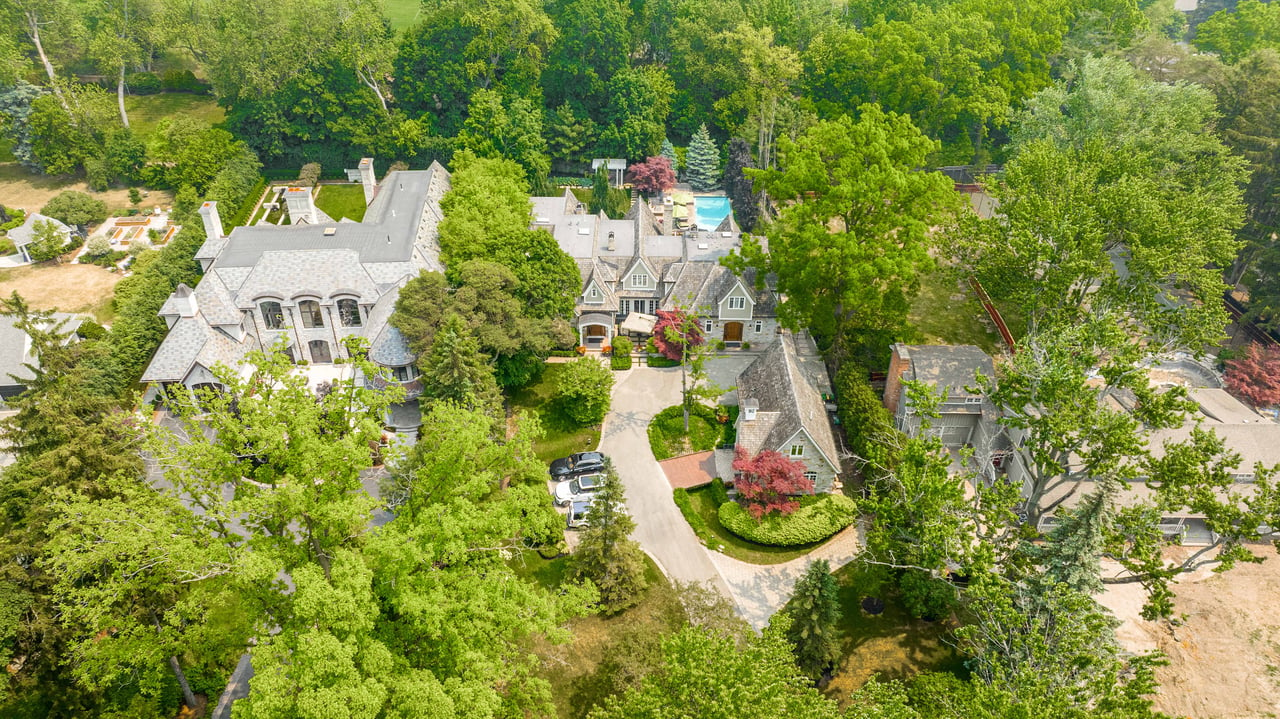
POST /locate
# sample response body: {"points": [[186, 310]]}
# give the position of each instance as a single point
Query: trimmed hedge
{"points": [[663, 362], [694, 519], [620, 362], [813, 522]]}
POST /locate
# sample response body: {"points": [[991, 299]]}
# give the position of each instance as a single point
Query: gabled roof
{"points": [[642, 215], [949, 367], [789, 402], [16, 349], [25, 233], [604, 277], [192, 341], [639, 262]]}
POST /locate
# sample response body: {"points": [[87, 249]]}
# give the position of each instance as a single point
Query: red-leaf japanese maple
{"points": [[653, 175], [769, 482], [672, 330], [1255, 376]]}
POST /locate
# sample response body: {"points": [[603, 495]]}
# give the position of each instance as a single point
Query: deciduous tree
{"points": [[769, 482], [678, 336], [76, 209], [1255, 376], [583, 391], [653, 175]]}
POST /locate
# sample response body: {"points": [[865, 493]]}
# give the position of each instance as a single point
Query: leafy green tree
{"points": [[702, 59], [606, 554], [599, 190], [15, 114], [47, 241], [1233, 34], [488, 301], [815, 612], [678, 336], [583, 390], [76, 209], [635, 119], [498, 126], [49, 26], [456, 371], [706, 675], [65, 141], [849, 243], [585, 55], [702, 167], [766, 98]]}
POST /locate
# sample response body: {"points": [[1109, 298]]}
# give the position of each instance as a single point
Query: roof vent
{"points": [[703, 245], [584, 230], [330, 231]]}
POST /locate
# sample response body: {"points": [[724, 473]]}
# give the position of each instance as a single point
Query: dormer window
{"points": [[737, 303], [593, 295], [639, 280]]}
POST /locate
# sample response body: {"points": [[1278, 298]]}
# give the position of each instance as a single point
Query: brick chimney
{"points": [[367, 178], [212, 223], [302, 208], [899, 364]]}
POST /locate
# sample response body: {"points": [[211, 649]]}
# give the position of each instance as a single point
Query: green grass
{"points": [[947, 312], [892, 644], [571, 668], [146, 111], [668, 439], [339, 201], [403, 14], [735, 546], [561, 437]]}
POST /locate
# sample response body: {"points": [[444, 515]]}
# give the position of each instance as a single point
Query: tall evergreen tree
{"points": [[1073, 554], [669, 152], [456, 370], [739, 188], [600, 190], [703, 163], [607, 555], [815, 617]]}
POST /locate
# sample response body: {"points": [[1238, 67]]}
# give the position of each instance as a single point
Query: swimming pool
{"points": [[709, 212]]}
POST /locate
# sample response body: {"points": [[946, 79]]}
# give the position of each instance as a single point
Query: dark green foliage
{"points": [[75, 208], [814, 610], [867, 425], [606, 553], [183, 81], [621, 358], [143, 83], [718, 492], [599, 190], [634, 122], [456, 371], [583, 391], [818, 518], [696, 523], [926, 597], [15, 108], [661, 362], [702, 167], [667, 437], [742, 195]]}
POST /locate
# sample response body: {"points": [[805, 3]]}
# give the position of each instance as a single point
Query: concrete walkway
{"points": [[639, 394], [760, 590]]}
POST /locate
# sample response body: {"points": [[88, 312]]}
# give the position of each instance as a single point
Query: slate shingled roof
{"points": [[788, 401], [950, 367], [23, 234], [15, 347]]}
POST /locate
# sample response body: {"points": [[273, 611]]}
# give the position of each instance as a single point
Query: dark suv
{"points": [[576, 464]]}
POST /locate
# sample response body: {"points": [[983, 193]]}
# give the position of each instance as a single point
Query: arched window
{"points": [[272, 315], [320, 352], [311, 315], [349, 313]]}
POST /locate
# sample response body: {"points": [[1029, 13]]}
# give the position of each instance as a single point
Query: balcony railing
{"points": [[412, 388]]}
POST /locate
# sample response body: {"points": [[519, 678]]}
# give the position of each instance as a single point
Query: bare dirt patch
{"points": [[21, 188], [1224, 659], [66, 288]]}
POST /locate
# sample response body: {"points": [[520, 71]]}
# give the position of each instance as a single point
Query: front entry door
{"points": [[732, 331], [594, 334]]}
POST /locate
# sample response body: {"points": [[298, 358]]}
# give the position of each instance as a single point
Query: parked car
{"points": [[577, 464], [578, 489], [578, 514]]}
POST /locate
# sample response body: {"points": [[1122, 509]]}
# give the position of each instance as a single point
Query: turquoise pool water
{"points": [[710, 211]]}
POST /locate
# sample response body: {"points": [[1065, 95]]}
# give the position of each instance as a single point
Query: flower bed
{"points": [[817, 519]]}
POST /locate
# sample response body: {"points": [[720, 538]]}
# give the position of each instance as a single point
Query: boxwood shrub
{"points": [[815, 521]]}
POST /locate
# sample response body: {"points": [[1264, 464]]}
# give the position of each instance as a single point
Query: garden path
{"points": [[759, 590]]}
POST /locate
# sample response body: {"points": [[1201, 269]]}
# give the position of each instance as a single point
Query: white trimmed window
{"points": [[811, 476], [737, 303], [707, 326], [759, 326], [593, 294], [797, 450], [639, 279]]}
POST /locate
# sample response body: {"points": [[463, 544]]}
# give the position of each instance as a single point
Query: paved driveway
{"points": [[638, 395]]}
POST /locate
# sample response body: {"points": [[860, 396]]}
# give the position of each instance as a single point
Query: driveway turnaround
{"points": [[638, 395], [759, 590]]}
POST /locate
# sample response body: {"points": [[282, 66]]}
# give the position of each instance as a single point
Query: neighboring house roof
{"points": [[24, 234], [785, 387], [949, 367], [16, 349]]}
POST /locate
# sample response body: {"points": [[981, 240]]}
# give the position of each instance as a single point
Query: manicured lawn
{"points": [[947, 312], [668, 439], [403, 14], [891, 644], [571, 668], [146, 111], [560, 436], [735, 546], [339, 201]]}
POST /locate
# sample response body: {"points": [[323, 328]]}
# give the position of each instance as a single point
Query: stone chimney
{"points": [[368, 179], [613, 242], [899, 365], [212, 223], [302, 208], [182, 303]]}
